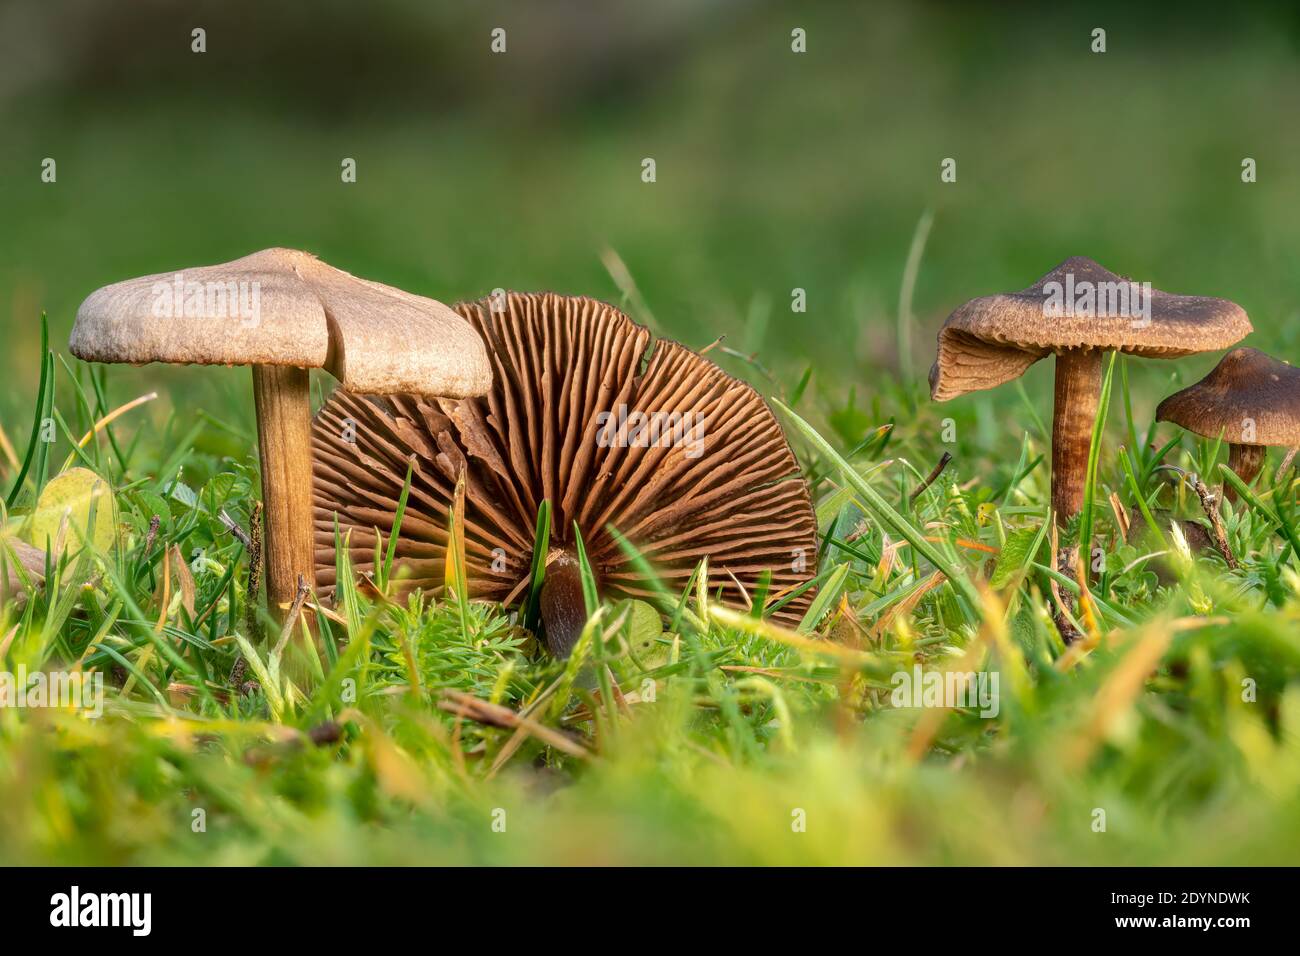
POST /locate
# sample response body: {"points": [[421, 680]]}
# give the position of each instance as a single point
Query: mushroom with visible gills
{"points": [[1250, 398], [1077, 312], [616, 432], [284, 312]]}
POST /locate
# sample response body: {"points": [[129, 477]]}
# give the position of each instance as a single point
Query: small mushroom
{"points": [[614, 430], [1251, 398], [1077, 312], [33, 564], [284, 312]]}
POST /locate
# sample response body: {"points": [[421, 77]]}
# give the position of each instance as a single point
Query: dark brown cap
{"points": [[1078, 305], [617, 431], [1250, 398]]}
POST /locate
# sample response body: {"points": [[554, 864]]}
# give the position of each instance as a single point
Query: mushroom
{"points": [[616, 432], [1077, 311], [284, 312], [1252, 398], [11, 580]]}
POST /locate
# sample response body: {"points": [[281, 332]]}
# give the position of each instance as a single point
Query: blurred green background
{"points": [[774, 170]]}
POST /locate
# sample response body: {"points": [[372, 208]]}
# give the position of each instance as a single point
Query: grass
{"points": [[415, 724]]}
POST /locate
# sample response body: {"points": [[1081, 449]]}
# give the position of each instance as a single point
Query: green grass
{"points": [[365, 753]]}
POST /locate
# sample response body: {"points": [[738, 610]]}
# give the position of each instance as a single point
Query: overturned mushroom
{"points": [[1250, 398], [284, 312], [616, 433], [1078, 311]]}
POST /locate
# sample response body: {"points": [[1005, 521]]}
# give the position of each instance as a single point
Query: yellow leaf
{"points": [[645, 627], [63, 513]]}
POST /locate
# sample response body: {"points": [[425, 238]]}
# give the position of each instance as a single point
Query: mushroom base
{"points": [[1078, 393], [562, 603]]}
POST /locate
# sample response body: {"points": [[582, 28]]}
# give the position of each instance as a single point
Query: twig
{"points": [[930, 478], [1063, 560], [1210, 505], [154, 523], [254, 585], [517, 739], [291, 619], [495, 715], [858, 531], [233, 527]]}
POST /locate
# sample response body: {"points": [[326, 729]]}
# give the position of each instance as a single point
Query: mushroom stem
{"points": [[1078, 392], [282, 399], [1246, 461], [563, 605]]}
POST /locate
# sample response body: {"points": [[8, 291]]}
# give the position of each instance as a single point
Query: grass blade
{"points": [[541, 545], [44, 399], [885, 512], [397, 528], [1094, 453]]}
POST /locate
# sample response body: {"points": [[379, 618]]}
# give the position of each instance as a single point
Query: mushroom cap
{"points": [[285, 307], [993, 339], [1246, 386], [726, 485]]}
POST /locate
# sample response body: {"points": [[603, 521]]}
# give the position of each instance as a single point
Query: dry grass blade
{"points": [[495, 715], [761, 628], [905, 606], [1063, 607], [106, 421], [291, 619], [1120, 689], [7, 449]]}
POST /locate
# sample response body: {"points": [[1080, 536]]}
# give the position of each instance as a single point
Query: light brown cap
{"points": [[285, 307], [993, 339], [614, 429], [1247, 386]]}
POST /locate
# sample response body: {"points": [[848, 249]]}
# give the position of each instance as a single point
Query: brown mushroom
{"points": [[1251, 398], [15, 553], [284, 312], [615, 431], [1078, 311]]}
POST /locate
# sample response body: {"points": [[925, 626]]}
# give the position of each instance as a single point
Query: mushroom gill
{"points": [[616, 432]]}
